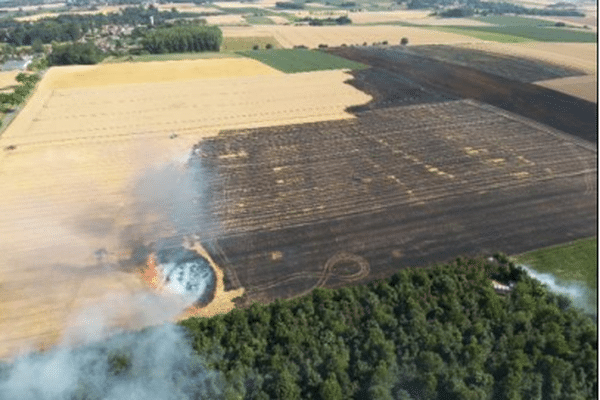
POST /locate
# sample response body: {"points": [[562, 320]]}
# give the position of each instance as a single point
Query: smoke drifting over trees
{"points": [[576, 293], [153, 364]]}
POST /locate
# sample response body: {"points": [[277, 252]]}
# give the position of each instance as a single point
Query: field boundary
{"points": [[537, 125], [10, 118], [572, 242]]}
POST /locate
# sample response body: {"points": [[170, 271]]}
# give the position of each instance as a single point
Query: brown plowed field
{"points": [[558, 110], [330, 203]]}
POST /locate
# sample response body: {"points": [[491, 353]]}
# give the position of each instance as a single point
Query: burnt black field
{"points": [[342, 202], [425, 74]]}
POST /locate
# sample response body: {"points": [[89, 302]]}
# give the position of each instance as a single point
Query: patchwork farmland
{"points": [[319, 178]]}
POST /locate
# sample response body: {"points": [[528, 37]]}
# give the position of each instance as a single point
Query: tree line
{"points": [[73, 27], [435, 333], [20, 92], [183, 38], [289, 5], [343, 20]]}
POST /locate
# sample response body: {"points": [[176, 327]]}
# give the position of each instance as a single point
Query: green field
{"points": [[247, 43], [507, 20], [571, 263], [491, 36], [301, 60], [169, 57], [516, 33], [258, 20]]}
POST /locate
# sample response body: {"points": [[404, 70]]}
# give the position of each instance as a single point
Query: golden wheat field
{"points": [[36, 17], [7, 79], [246, 31], [186, 7], [312, 36], [164, 71], [584, 87], [83, 140], [576, 55], [229, 19]]}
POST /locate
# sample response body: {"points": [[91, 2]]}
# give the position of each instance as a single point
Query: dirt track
{"points": [[396, 187]]}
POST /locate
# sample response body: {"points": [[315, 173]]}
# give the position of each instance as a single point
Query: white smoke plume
{"points": [[98, 357], [118, 312], [176, 191], [580, 296], [155, 364]]}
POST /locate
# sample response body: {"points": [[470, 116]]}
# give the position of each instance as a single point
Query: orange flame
{"points": [[150, 274]]}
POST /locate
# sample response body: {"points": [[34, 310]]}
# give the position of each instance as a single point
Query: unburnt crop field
{"points": [[574, 261], [244, 43], [313, 36], [331, 203], [580, 56], [301, 60], [514, 29], [538, 33]]}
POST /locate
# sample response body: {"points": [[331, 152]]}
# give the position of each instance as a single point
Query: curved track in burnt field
{"points": [[400, 77], [397, 187]]}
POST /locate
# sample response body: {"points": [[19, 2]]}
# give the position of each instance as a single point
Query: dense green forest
{"points": [[75, 53], [183, 38], [435, 333]]}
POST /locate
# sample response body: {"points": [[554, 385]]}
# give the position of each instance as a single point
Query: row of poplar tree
{"points": [[183, 38]]}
